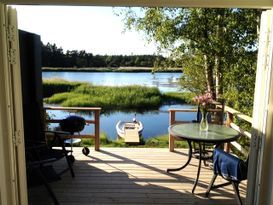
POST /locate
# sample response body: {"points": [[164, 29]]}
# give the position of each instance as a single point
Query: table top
{"points": [[215, 134]]}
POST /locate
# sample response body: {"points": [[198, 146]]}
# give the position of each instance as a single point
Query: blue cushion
{"points": [[229, 166]]}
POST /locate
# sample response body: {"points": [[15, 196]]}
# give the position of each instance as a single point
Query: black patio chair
{"points": [[231, 168], [39, 163]]}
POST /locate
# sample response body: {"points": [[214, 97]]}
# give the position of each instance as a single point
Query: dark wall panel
{"points": [[30, 57]]}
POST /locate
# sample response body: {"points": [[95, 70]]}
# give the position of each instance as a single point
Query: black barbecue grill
{"points": [[74, 124]]}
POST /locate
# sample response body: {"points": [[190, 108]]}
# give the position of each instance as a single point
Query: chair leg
{"points": [[204, 153], [211, 184], [51, 193], [237, 193], [70, 165], [68, 161]]}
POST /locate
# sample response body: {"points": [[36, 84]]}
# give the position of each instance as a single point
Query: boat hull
{"points": [[122, 126]]}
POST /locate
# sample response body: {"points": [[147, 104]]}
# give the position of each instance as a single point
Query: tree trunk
{"points": [[209, 76], [218, 79], [220, 29]]}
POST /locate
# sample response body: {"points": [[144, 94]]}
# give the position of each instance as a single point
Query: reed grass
{"points": [[81, 94], [109, 98], [55, 85], [182, 97]]}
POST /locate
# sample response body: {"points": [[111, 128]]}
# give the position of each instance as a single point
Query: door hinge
{"points": [[11, 31], [256, 141], [11, 34], [17, 139], [11, 56]]}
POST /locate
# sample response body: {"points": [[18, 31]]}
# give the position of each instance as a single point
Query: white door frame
{"points": [[260, 176], [12, 154], [260, 170]]}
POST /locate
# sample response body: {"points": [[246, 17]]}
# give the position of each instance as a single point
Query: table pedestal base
{"points": [[188, 161]]}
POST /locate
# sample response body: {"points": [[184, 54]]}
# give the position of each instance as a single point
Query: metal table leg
{"points": [[188, 161], [199, 168]]}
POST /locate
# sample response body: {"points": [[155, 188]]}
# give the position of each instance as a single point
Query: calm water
{"points": [[164, 81], [155, 122]]}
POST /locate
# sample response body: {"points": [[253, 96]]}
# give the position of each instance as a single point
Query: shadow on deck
{"points": [[133, 176]]}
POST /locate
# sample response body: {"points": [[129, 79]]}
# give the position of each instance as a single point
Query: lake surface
{"points": [[166, 82], [155, 122]]}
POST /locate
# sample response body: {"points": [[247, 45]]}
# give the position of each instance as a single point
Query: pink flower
{"points": [[203, 100]]}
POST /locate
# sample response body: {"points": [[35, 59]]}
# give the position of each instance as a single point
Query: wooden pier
{"points": [[131, 136], [130, 176]]}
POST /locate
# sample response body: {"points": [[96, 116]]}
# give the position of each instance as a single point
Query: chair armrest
{"points": [[57, 132], [57, 135], [40, 162]]}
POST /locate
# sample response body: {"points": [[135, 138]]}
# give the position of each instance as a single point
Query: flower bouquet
{"points": [[203, 102]]}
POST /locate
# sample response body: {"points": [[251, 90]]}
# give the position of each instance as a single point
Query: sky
{"points": [[96, 30]]}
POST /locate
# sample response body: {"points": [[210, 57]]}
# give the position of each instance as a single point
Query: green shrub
{"points": [[104, 142], [55, 85], [163, 142]]}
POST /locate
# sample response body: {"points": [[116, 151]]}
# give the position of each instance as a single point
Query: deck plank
{"points": [[133, 176]]}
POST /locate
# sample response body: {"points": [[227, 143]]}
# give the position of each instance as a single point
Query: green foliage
{"points": [[52, 56], [216, 48], [239, 84]]}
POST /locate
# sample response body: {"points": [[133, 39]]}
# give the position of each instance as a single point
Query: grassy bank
{"points": [[154, 142], [82, 94], [182, 97], [55, 85]]}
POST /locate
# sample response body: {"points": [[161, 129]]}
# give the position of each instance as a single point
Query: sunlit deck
{"points": [[134, 176]]}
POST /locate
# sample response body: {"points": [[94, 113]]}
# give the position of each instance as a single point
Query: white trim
{"points": [[257, 169], [152, 3], [12, 169], [8, 193], [265, 165], [18, 108], [4, 185]]}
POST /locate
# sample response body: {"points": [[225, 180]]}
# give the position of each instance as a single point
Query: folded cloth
{"points": [[229, 166]]}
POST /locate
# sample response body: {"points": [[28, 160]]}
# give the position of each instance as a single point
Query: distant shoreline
{"points": [[120, 69]]}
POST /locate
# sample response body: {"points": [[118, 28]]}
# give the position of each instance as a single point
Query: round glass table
{"points": [[216, 134]]}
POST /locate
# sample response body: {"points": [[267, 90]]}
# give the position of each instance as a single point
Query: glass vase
{"points": [[204, 125]]}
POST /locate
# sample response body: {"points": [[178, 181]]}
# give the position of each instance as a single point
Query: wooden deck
{"points": [[133, 176]]}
